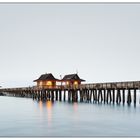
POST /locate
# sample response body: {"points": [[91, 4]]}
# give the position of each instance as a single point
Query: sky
{"points": [[99, 41]]}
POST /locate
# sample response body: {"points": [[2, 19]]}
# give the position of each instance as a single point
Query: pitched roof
{"points": [[47, 76], [72, 77]]}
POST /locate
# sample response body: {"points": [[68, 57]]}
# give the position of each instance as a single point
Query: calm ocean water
{"points": [[25, 117]]}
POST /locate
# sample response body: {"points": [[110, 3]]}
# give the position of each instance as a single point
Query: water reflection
{"points": [[40, 105], [49, 112], [75, 111], [46, 111], [75, 106], [48, 119]]}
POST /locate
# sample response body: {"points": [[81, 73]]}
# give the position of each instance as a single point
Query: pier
{"points": [[115, 92]]}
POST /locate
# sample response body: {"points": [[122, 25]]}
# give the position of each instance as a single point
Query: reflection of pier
{"points": [[48, 107], [119, 92]]}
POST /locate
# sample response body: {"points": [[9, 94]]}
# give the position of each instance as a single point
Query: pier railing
{"points": [[113, 85]]}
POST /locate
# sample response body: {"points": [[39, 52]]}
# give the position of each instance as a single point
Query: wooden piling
{"points": [[76, 92], [84, 94], [56, 95], [81, 95], [64, 97], [118, 98], [90, 96], [104, 95], [123, 96], [77, 95], [135, 92], [33, 96], [100, 95], [52, 95], [109, 97], [38, 95], [69, 95], [60, 95], [48, 95], [41, 95], [87, 95], [113, 96], [95, 95], [72, 95], [45, 94], [129, 97]]}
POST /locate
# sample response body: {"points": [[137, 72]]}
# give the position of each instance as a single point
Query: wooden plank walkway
{"points": [[113, 92]]}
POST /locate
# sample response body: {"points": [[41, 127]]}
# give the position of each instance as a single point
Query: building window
{"points": [[49, 83], [67, 83], [75, 83], [40, 83]]}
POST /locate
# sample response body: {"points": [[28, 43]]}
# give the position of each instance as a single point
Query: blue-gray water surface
{"points": [[24, 117]]}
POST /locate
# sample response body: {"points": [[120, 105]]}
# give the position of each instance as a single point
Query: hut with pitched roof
{"points": [[72, 79], [46, 81]]}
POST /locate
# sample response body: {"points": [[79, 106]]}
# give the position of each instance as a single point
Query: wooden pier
{"points": [[115, 92]]}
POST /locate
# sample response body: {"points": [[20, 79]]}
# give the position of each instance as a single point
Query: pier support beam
{"points": [[69, 95], [64, 97], [87, 95], [135, 95], [113, 96], [100, 95], [76, 95], [123, 97], [56, 95], [95, 95], [49, 95], [129, 97], [90, 96], [118, 98], [52, 95], [84, 95], [81, 95], [104, 95], [37, 94], [60, 95], [109, 98]]}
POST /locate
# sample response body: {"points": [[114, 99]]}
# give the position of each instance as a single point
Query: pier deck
{"points": [[119, 92]]}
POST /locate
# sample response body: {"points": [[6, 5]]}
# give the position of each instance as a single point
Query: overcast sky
{"points": [[100, 41]]}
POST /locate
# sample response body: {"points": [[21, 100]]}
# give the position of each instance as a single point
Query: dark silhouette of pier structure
{"points": [[115, 92]]}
